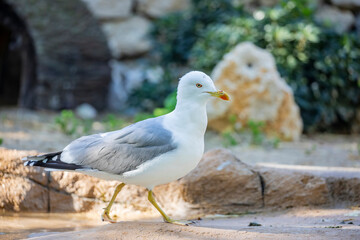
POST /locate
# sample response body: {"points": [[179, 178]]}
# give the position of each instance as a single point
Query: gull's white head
{"points": [[197, 86]]}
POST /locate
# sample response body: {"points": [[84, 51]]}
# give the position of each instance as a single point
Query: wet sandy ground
{"points": [[24, 225], [302, 223]]}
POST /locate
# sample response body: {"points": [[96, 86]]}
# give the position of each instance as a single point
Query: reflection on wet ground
{"points": [[28, 225]]}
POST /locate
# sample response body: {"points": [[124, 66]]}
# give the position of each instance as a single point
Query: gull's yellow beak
{"points": [[220, 94]]}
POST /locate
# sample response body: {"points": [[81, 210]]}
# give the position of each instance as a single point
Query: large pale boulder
{"points": [[258, 93], [128, 37], [159, 8]]}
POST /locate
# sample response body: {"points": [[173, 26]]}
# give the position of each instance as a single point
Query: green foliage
{"points": [[257, 131], [151, 95], [229, 139], [67, 122], [113, 123], [176, 34], [169, 105], [321, 66], [1, 141], [71, 125]]}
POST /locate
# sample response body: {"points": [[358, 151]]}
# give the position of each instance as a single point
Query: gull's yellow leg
{"points": [[166, 217], [105, 215]]}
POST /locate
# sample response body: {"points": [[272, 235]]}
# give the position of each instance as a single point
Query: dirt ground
{"points": [[302, 223], [29, 130]]}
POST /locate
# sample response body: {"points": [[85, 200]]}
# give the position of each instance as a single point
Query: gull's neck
{"points": [[190, 117]]}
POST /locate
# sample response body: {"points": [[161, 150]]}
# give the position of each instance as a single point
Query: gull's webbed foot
{"points": [[106, 217]]}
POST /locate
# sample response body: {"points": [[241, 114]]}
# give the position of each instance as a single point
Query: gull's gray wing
{"points": [[123, 150]]}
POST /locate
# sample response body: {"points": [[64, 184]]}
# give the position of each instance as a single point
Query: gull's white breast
{"points": [[172, 165]]}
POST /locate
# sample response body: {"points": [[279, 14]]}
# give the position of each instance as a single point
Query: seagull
{"points": [[147, 153]]}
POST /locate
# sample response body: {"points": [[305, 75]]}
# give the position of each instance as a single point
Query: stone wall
{"points": [[126, 23], [71, 53]]}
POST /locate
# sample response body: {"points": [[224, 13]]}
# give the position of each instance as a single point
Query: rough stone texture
{"points": [[257, 93], [346, 3], [128, 37], [125, 78], [286, 189], [159, 8], [21, 188], [344, 189], [221, 183], [340, 20], [64, 202], [70, 50], [10, 164], [105, 9], [21, 194]]}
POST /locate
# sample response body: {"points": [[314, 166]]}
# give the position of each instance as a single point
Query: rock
{"points": [[63, 202], [129, 37], [105, 9], [74, 183], [82, 193], [128, 76], [11, 164], [21, 188], [257, 92], [286, 189], [221, 184], [344, 189], [86, 111], [346, 3], [125, 78], [340, 20], [159, 8], [21, 194]]}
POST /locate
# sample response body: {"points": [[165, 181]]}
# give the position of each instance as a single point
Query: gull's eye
{"points": [[198, 85]]}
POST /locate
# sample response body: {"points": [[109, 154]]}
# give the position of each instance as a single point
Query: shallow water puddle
{"points": [[28, 225]]}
